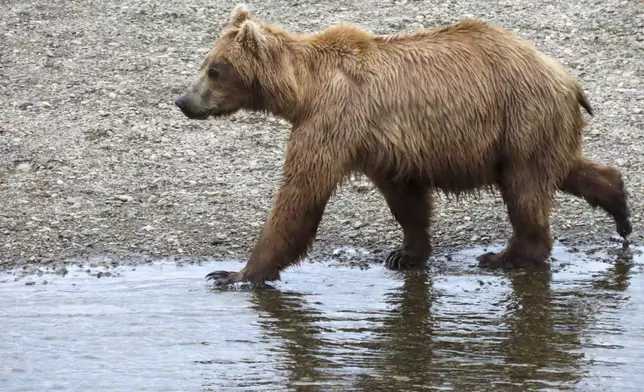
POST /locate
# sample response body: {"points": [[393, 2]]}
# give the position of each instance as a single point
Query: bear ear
{"points": [[250, 37], [239, 15]]}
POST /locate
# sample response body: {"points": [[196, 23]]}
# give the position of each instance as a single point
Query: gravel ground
{"points": [[96, 160]]}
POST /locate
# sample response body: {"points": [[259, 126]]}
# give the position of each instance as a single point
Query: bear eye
{"points": [[213, 73]]}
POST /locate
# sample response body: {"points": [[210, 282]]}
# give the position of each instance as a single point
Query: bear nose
{"points": [[181, 103]]}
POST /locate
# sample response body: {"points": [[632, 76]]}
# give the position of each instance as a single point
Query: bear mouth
{"points": [[201, 116], [196, 116], [205, 115], [221, 113]]}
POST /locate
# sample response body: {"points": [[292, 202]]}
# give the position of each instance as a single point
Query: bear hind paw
{"points": [[503, 260]]}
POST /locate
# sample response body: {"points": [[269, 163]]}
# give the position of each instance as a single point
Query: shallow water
{"points": [[327, 326]]}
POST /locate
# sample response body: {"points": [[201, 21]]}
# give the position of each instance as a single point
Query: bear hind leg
{"points": [[411, 205], [601, 186], [528, 202]]}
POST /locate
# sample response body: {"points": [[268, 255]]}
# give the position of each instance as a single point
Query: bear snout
{"points": [[183, 103]]}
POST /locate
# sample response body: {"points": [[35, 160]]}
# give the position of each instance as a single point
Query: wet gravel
{"points": [[96, 160]]}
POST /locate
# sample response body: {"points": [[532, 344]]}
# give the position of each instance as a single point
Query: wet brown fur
{"points": [[457, 109]]}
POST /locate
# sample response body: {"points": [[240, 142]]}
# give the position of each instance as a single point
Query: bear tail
{"points": [[583, 101]]}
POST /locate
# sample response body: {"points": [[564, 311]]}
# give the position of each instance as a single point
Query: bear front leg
{"points": [[310, 177], [411, 205]]}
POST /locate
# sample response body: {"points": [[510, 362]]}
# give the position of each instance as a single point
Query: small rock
{"points": [[616, 238], [359, 225], [61, 271], [30, 283], [25, 166], [124, 198]]}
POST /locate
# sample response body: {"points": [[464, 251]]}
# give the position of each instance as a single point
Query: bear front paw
{"points": [[224, 278], [401, 260]]}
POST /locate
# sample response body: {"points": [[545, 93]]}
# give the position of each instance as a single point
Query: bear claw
{"points": [[222, 278], [400, 260]]}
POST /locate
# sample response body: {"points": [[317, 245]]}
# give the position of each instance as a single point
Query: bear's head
{"points": [[248, 67]]}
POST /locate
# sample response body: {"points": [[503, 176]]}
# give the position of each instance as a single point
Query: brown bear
{"points": [[457, 108]]}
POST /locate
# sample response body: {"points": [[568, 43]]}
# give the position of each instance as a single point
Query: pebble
{"points": [[23, 167], [124, 198]]}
